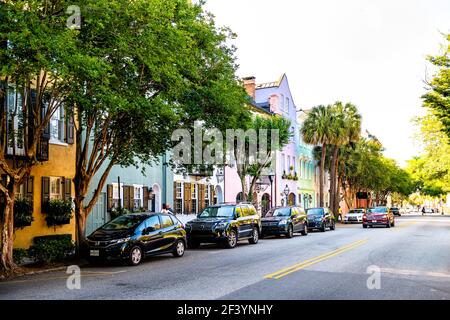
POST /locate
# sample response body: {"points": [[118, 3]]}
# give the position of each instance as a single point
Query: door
{"points": [[295, 218], [169, 232], [152, 239], [97, 218], [245, 221]]}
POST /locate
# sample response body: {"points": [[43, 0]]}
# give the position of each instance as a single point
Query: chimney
{"points": [[250, 86]]}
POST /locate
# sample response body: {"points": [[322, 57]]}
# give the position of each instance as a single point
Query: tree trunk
{"points": [[244, 187], [7, 237], [80, 217], [333, 180], [335, 183], [321, 174]]}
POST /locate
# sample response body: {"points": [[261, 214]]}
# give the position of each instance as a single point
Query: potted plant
{"points": [[59, 212], [23, 212], [291, 168]]}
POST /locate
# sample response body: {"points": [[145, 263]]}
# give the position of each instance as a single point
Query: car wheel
{"points": [[393, 223], [179, 249], [388, 224], [255, 237], [304, 232], [333, 226], [231, 240], [192, 244], [135, 256], [290, 232], [324, 227], [365, 226]]}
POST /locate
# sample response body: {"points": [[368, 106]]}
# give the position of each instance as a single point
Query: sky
{"points": [[368, 52]]}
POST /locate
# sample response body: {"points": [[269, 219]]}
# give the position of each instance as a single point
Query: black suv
{"points": [[132, 237], [320, 218], [224, 224], [285, 220]]}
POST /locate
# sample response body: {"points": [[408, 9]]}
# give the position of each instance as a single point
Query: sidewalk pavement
{"points": [[186, 217]]}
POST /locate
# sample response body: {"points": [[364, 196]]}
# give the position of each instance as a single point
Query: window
{"points": [[286, 105], [193, 198], [153, 222], [178, 197], [115, 197], [288, 164], [56, 188], [15, 123], [281, 102], [207, 195], [283, 162], [57, 128], [294, 164], [166, 222], [138, 196]]}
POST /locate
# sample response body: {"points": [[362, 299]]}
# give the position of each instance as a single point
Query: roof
{"points": [[271, 84]]}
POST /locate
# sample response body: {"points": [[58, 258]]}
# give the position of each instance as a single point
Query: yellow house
{"points": [[50, 179]]}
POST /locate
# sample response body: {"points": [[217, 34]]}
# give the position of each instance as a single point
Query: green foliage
{"points": [[438, 96], [51, 248], [59, 208], [117, 212], [19, 254], [23, 212]]}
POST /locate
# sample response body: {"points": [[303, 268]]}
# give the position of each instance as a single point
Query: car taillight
{"points": [[365, 217]]}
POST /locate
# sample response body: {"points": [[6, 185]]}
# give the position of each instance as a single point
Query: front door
{"points": [[97, 218]]}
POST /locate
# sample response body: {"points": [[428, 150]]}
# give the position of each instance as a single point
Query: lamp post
{"points": [[286, 193], [271, 192]]}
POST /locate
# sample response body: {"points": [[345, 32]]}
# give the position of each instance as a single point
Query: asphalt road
{"points": [[410, 261]]}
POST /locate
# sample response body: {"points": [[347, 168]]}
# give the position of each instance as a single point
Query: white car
{"points": [[354, 216]]}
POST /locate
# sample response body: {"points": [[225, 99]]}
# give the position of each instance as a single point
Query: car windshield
{"points": [[280, 212], [124, 222], [315, 212], [377, 210], [356, 211], [394, 209], [218, 212]]}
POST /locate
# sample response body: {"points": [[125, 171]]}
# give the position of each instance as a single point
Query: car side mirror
{"points": [[148, 230]]}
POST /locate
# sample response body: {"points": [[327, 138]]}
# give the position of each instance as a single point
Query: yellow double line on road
{"points": [[296, 267]]}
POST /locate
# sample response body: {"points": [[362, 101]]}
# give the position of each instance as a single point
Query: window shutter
{"points": [[109, 197], [187, 198], [68, 189], [212, 195], [30, 126], [126, 197], [44, 108], [131, 197], [70, 128], [45, 193], [201, 200], [175, 193], [29, 188], [145, 204]]}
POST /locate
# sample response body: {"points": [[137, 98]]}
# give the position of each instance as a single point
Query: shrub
{"points": [[52, 248], [58, 212], [19, 254], [117, 212], [23, 212]]}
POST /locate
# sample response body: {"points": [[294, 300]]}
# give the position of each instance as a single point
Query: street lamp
{"points": [[271, 176], [286, 193]]}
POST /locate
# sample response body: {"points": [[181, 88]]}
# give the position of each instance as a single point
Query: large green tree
{"points": [[438, 96]]}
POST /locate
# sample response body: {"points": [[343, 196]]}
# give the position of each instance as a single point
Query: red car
{"points": [[378, 216]]}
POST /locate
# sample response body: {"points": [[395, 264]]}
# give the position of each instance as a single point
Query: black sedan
{"points": [[132, 237], [284, 220], [320, 218]]}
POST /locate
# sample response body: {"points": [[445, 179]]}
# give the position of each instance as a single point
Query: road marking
{"points": [[415, 273], [404, 225], [284, 272], [83, 274]]}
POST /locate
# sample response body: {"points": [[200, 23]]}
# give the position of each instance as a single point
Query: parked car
{"points": [[396, 212], [320, 218], [134, 236], [285, 220], [378, 216], [354, 216], [225, 224]]}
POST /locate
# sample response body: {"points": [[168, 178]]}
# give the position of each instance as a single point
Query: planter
{"points": [[57, 221], [20, 223]]}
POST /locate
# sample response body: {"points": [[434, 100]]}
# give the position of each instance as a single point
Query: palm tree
{"points": [[346, 128], [316, 130]]}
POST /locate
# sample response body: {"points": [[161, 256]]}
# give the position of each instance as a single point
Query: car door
{"points": [[169, 232], [244, 221], [302, 218], [151, 238], [295, 219], [327, 216]]}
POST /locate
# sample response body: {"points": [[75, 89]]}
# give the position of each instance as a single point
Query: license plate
{"points": [[94, 253]]}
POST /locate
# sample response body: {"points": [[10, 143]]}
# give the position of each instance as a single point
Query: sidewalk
{"points": [[186, 217]]}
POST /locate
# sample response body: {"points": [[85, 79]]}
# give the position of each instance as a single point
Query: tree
{"points": [[437, 98], [316, 130], [155, 67], [35, 45]]}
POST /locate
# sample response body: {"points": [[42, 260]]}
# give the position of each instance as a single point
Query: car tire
{"points": [[304, 232], [179, 249], [324, 227], [255, 236], [388, 224], [365, 226], [393, 224], [290, 232], [231, 240], [193, 244], [136, 256], [333, 226]]}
